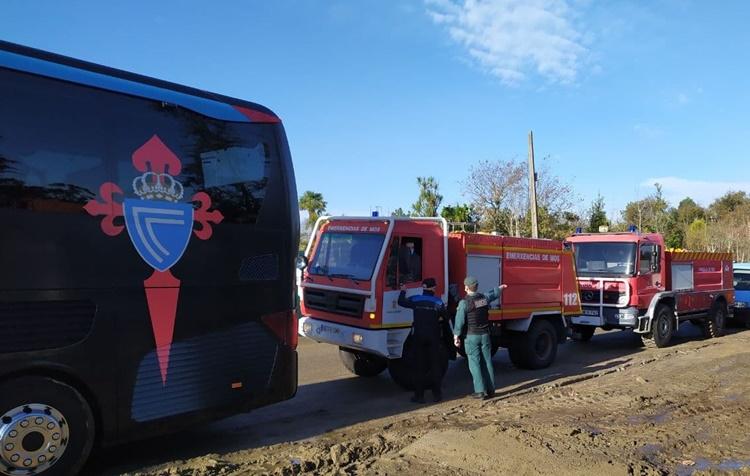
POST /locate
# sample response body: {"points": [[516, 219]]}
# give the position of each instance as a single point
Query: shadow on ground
{"points": [[335, 404]]}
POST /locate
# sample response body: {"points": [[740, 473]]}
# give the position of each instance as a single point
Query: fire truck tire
{"points": [[582, 333], [714, 324], [403, 370], [46, 427], [535, 348], [362, 363], [662, 328]]}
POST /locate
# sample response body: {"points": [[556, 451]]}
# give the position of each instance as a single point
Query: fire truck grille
{"points": [[334, 302], [611, 297], [592, 297]]}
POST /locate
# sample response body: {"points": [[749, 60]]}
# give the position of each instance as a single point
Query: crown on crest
{"points": [[153, 186]]}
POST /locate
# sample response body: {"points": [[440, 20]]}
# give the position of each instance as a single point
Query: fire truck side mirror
{"points": [[302, 262]]}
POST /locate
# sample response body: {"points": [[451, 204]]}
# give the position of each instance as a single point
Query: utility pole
{"points": [[532, 188]]}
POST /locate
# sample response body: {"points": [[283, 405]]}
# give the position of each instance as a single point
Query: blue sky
{"points": [[373, 94]]}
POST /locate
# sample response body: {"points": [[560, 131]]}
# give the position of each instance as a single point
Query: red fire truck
{"points": [[630, 281], [354, 267]]}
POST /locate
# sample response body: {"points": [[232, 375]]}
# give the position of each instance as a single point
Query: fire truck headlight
{"points": [[372, 315], [740, 304], [358, 338], [307, 328]]}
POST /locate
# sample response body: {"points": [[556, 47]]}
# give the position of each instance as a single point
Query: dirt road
{"points": [[606, 407]]}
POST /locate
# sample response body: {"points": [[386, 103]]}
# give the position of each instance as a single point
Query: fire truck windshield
{"points": [[347, 255], [605, 259]]}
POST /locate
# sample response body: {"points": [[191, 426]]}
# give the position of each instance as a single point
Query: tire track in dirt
{"points": [[678, 411]]}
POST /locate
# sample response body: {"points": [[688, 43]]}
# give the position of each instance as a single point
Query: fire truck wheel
{"points": [[714, 324], [662, 328], [403, 370], [535, 348], [362, 363], [46, 427], [583, 333]]}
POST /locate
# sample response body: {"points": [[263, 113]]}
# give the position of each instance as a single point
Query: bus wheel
{"points": [[714, 324], [403, 371], [582, 333], [662, 328], [46, 427], [362, 363], [535, 348]]}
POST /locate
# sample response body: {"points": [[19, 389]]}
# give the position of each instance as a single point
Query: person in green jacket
{"points": [[473, 313]]}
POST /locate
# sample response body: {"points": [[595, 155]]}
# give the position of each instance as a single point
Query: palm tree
{"points": [[313, 204]]}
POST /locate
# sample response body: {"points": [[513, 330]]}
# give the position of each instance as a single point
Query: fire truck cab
{"points": [[630, 281], [355, 267]]}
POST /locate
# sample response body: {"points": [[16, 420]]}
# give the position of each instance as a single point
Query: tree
{"points": [[429, 199], [499, 194], [314, 205], [597, 215], [727, 204], [695, 237], [728, 225], [458, 213], [491, 187], [399, 212], [649, 214], [688, 211]]}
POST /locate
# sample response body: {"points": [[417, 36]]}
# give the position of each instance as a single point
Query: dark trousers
{"points": [[427, 369]]}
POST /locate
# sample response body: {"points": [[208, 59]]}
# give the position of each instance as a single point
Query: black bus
{"points": [[148, 234]]}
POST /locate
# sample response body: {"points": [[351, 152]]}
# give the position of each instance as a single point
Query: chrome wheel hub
{"points": [[32, 438]]}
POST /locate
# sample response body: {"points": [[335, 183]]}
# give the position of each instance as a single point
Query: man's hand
{"points": [[457, 341], [402, 287], [503, 286]]}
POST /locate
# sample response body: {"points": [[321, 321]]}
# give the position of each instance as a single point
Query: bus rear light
{"points": [[236, 385], [284, 326]]}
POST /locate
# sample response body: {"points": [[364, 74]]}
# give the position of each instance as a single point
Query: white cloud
{"points": [[512, 38], [702, 191], [683, 98]]}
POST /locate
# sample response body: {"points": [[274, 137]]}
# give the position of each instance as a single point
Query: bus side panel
{"points": [[70, 242], [62, 334]]}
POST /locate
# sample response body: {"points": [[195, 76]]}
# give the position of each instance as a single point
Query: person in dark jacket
{"points": [[473, 313], [429, 310], [410, 263]]}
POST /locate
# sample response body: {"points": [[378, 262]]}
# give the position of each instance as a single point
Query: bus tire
{"points": [[362, 364], [535, 348], [403, 370], [662, 328], [48, 426], [713, 325], [582, 333]]}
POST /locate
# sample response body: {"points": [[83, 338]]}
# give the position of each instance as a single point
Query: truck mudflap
{"points": [[388, 343]]}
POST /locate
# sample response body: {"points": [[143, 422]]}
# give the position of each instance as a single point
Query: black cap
{"points": [[429, 283]]}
